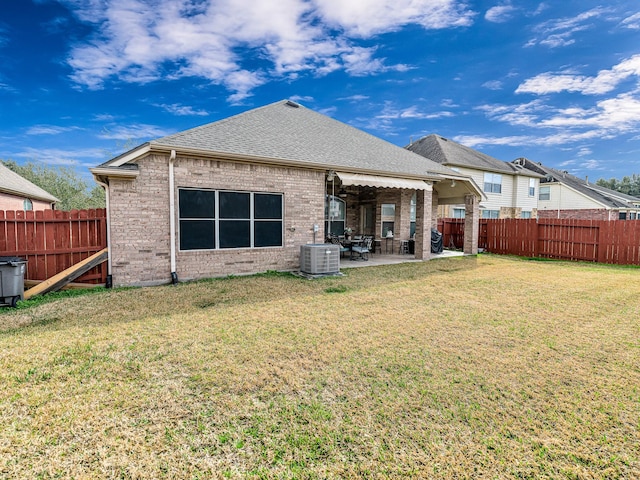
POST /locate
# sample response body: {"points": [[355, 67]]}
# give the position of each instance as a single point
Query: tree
{"points": [[62, 182], [628, 185]]}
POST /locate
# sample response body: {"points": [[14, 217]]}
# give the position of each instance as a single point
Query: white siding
{"points": [[515, 191], [521, 198], [565, 198]]}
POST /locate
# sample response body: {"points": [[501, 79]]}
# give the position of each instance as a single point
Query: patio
{"points": [[381, 259]]}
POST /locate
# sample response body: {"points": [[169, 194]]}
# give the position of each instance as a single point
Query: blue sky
{"points": [[557, 82]]}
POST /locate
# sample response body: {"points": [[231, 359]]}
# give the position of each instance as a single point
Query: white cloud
{"points": [[499, 13], [182, 110], [355, 98], [145, 40], [605, 81], [55, 156], [632, 22], [364, 18], [301, 98], [584, 151], [133, 132], [390, 112], [493, 85], [591, 165], [606, 119], [560, 32], [48, 130]]}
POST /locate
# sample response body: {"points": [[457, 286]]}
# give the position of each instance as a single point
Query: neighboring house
{"points": [[18, 193], [563, 195], [511, 189], [243, 194]]}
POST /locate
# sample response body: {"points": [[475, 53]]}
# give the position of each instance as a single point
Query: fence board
{"points": [[604, 241], [52, 240]]}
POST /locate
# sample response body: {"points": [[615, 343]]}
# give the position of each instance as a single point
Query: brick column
{"points": [[434, 211], [471, 224], [423, 224]]}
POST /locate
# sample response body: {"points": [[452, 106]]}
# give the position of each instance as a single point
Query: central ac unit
{"points": [[320, 258]]}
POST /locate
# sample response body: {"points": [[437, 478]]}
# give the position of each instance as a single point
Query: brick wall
{"points": [[13, 202], [139, 216], [583, 214]]}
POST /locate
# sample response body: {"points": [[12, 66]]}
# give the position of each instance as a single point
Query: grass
{"points": [[474, 367]]}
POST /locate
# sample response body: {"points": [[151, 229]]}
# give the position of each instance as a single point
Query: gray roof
{"points": [[450, 153], [289, 132], [605, 196], [11, 182]]}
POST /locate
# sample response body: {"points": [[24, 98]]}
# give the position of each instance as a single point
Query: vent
{"points": [[320, 258], [289, 103]]}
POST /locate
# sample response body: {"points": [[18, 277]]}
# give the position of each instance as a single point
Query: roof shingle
{"points": [[11, 182]]}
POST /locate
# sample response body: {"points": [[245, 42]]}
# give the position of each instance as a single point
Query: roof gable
{"points": [[450, 153], [288, 132], [11, 182]]}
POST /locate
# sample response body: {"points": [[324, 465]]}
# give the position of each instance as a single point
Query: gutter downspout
{"points": [[172, 218], [104, 185]]}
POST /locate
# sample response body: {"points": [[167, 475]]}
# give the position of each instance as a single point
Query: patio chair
{"points": [[361, 252], [336, 241]]}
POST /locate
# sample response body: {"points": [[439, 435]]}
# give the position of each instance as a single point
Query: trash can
{"points": [[11, 280], [436, 241]]}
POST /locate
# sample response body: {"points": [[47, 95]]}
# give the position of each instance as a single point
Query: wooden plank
{"points": [[58, 281], [68, 286]]}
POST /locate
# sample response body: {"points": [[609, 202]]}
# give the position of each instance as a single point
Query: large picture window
{"points": [[211, 219]]}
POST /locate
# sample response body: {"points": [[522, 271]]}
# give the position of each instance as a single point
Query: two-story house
{"points": [[511, 188], [563, 195]]}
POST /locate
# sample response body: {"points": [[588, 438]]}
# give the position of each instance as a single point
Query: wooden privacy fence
{"points": [[52, 240], [452, 230], [603, 241]]}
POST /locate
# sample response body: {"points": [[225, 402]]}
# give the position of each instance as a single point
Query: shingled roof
{"points": [[453, 154], [605, 196], [14, 184], [289, 133]]}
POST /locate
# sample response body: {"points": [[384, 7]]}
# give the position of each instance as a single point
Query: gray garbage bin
{"points": [[11, 280]]}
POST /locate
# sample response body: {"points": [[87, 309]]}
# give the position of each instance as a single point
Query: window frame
{"points": [[219, 226], [492, 183], [459, 212], [489, 214], [546, 193], [335, 225], [532, 187], [387, 219]]}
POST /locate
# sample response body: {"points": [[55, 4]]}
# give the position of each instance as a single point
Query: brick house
{"points": [[242, 194], [18, 193], [510, 189], [563, 195]]}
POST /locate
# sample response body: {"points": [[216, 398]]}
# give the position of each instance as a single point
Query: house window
{"points": [[491, 214], [532, 187], [622, 215], [335, 212], [28, 204], [388, 218], [525, 214], [459, 213], [493, 183], [545, 193], [211, 219]]}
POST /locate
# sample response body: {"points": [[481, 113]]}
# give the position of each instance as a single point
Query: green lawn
{"points": [[470, 367]]}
